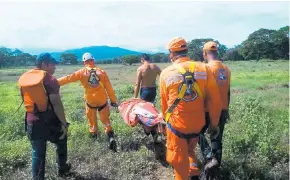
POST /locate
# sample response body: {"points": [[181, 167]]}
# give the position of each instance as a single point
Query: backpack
{"points": [[36, 101]]}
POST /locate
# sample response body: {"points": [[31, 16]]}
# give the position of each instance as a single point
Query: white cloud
{"points": [[134, 25]]}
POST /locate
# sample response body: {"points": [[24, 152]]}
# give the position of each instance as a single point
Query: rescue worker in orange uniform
{"points": [[97, 87], [222, 75], [185, 88], [44, 118]]}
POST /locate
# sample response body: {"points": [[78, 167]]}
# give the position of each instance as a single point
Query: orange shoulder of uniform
{"points": [[166, 72]]}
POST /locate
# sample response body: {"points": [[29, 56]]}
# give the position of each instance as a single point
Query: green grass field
{"points": [[256, 142]]}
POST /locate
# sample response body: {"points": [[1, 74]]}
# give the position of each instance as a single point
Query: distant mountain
{"points": [[36, 51], [99, 52]]}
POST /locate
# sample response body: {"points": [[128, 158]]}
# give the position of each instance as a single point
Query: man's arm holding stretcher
{"points": [[163, 96], [109, 89]]}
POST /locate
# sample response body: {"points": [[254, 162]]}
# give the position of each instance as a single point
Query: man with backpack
{"points": [[97, 85], [44, 119], [185, 88]]}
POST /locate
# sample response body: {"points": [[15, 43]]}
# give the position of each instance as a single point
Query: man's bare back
{"points": [[148, 73], [146, 80]]}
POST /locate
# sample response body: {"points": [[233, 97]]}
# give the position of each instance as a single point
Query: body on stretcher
{"points": [[137, 111]]}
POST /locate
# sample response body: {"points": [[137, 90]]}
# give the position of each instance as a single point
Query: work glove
{"points": [[114, 104], [64, 129], [213, 132]]}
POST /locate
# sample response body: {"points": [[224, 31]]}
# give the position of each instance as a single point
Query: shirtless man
{"points": [[146, 78]]}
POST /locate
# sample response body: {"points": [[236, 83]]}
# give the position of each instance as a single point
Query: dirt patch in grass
{"points": [[273, 86], [285, 85], [130, 146], [237, 91]]}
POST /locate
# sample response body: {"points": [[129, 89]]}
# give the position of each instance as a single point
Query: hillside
{"points": [[36, 51], [99, 52]]}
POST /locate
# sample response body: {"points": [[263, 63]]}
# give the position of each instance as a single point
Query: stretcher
{"points": [[136, 111]]}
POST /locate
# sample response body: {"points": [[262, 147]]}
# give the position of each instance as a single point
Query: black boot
{"points": [[93, 136], [64, 170], [154, 135], [112, 141], [211, 165]]}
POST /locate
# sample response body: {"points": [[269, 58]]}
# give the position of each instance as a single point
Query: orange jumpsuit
{"points": [[96, 90], [222, 76], [187, 117]]}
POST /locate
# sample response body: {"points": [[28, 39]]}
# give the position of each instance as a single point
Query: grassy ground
{"points": [[255, 142]]}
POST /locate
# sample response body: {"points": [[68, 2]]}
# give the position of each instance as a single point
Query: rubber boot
{"points": [[112, 141], [219, 156], [93, 136], [63, 170], [154, 135]]}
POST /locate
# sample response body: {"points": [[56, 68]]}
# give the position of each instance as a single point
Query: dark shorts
{"points": [[148, 94]]}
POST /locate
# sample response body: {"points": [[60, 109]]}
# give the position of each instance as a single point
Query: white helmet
{"points": [[88, 56]]}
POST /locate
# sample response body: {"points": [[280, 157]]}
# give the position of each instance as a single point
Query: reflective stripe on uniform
{"points": [[173, 79], [193, 164], [200, 77], [200, 73]]}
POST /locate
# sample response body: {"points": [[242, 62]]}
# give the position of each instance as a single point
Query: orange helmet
{"points": [[177, 44], [210, 46]]}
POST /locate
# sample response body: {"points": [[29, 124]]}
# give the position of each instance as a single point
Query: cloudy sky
{"points": [[140, 26]]}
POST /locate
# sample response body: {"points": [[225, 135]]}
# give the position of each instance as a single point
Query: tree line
{"points": [[9, 57], [261, 44]]}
